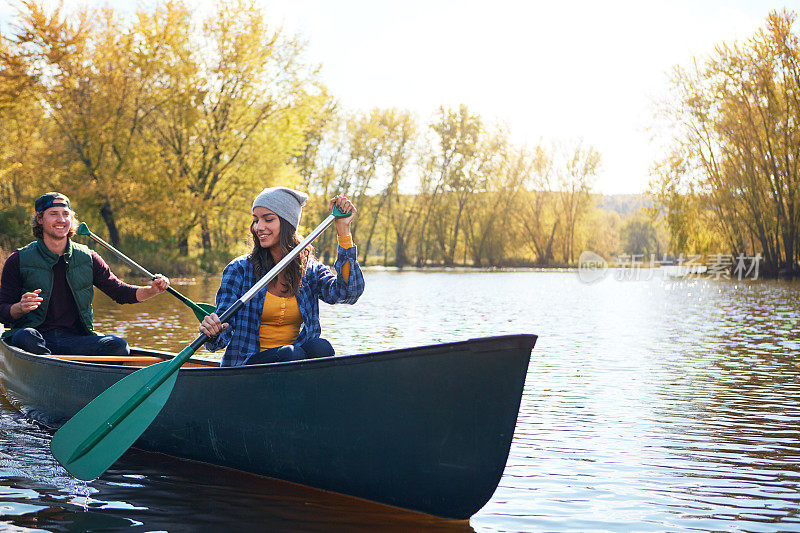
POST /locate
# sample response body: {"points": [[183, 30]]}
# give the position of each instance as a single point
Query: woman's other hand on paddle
{"points": [[345, 206], [212, 326], [26, 304]]}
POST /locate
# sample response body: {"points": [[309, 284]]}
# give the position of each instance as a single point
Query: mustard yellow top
{"points": [[281, 318], [280, 321]]}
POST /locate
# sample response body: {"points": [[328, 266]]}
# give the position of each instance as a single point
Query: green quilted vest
{"points": [[36, 272]]}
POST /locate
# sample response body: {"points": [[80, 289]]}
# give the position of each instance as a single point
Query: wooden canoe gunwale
{"points": [[426, 428], [286, 366], [152, 357], [138, 355]]}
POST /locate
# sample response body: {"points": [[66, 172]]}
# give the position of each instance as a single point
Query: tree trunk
{"points": [[183, 243], [385, 244], [451, 254], [548, 254], [108, 217], [376, 214], [400, 257], [205, 233]]}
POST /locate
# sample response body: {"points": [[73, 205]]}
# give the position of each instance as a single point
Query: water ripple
{"points": [[655, 405]]}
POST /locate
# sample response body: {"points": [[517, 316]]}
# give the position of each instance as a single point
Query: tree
{"points": [[23, 124], [455, 166], [538, 212], [365, 151], [691, 221], [560, 191], [736, 116], [640, 237], [397, 145], [503, 175], [82, 74], [576, 166], [236, 105]]}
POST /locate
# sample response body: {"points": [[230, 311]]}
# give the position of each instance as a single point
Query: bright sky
{"points": [[550, 70]]}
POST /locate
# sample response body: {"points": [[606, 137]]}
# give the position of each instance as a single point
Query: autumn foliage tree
{"points": [[735, 158], [160, 113], [162, 125], [79, 70]]}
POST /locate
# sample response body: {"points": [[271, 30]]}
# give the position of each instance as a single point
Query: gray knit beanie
{"points": [[284, 202]]}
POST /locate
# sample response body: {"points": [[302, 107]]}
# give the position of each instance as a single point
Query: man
{"points": [[46, 288]]}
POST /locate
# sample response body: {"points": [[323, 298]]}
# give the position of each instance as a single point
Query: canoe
{"points": [[426, 428]]}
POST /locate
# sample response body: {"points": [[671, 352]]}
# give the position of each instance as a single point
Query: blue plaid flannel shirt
{"points": [[319, 283]]}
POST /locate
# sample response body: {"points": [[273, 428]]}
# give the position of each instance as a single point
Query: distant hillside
{"points": [[623, 204]]}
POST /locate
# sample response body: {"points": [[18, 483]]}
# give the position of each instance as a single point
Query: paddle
{"points": [[201, 310], [102, 431]]}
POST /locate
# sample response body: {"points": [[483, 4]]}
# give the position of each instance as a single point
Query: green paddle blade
{"points": [[205, 310], [91, 441], [83, 229]]}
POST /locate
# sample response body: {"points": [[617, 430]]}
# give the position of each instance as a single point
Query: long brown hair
{"points": [[262, 259]]}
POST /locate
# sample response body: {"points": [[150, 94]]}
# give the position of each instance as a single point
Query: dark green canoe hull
{"points": [[425, 428]]}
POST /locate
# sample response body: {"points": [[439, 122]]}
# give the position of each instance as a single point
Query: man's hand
{"points": [[158, 285], [26, 304]]}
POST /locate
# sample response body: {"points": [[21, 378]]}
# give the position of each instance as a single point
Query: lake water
{"points": [[650, 405]]}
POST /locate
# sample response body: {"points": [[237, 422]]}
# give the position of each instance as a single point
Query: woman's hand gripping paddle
{"points": [[92, 440], [201, 310]]}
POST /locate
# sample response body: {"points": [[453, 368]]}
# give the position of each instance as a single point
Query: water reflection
{"points": [[650, 406]]}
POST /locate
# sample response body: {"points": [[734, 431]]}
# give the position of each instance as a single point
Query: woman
{"points": [[281, 323]]}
